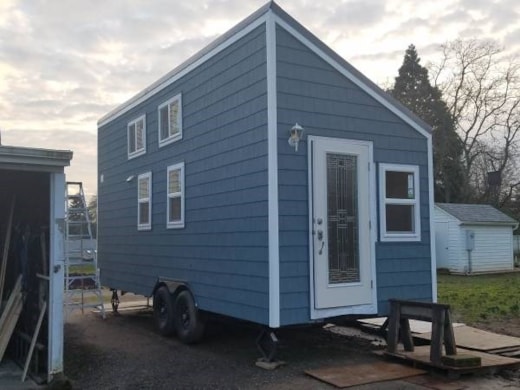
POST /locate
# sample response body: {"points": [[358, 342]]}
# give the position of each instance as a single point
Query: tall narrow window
{"points": [[170, 121], [175, 205], [144, 201], [399, 202], [137, 137]]}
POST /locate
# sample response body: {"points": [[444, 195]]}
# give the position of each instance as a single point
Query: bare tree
{"points": [[482, 90]]}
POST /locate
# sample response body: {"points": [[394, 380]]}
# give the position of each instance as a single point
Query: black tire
{"points": [[163, 311], [189, 323]]}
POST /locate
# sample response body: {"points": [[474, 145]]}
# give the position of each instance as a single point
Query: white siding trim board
{"points": [[272, 167]]}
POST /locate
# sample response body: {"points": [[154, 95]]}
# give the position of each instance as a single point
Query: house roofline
{"points": [[171, 76], [10, 155], [259, 15]]}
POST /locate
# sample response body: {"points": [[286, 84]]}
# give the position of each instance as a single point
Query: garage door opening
{"points": [[31, 261]]}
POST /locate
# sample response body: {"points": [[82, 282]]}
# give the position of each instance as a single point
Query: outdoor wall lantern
{"points": [[295, 135]]}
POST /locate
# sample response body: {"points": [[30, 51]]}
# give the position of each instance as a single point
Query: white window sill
{"points": [[170, 140]]}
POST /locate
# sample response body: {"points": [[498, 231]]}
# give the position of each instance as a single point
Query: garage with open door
{"points": [[32, 191]]}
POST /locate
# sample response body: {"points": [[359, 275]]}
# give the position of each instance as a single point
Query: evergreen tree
{"points": [[412, 88]]}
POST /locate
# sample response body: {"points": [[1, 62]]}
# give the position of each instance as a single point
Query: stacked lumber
{"points": [[10, 315]]}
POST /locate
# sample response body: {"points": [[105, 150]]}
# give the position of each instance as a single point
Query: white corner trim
{"points": [[56, 262], [135, 101], [272, 168], [340, 68], [431, 195]]}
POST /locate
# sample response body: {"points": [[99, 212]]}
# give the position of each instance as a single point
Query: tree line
{"points": [[471, 99]]}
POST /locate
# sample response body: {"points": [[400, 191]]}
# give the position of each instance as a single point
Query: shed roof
{"points": [[23, 158], [477, 214]]}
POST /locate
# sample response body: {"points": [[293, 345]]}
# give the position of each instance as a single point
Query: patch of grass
{"points": [[481, 298]]}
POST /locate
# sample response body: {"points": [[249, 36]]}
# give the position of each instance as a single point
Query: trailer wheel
{"points": [[189, 323], [163, 311]]}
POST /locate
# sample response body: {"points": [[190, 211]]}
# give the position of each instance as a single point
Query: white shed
{"points": [[32, 203], [473, 238]]}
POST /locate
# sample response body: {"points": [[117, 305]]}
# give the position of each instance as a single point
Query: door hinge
{"points": [[372, 284], [370, 225]]}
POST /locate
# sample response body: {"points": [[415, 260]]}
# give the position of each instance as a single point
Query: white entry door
{"points": [[342, 261]]}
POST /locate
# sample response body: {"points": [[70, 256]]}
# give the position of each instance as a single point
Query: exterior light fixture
{"points": [[295, 135]]}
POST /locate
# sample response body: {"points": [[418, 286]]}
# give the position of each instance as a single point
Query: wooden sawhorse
{"points": [[438, 314]]}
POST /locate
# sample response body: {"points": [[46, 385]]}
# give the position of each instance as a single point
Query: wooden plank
{"points": [[422, 355], [10, 302], [479, 340], [359, 374], [416, 326], [393, 327], [5, 254], [33, 341], [438, 320], [8, 329]]}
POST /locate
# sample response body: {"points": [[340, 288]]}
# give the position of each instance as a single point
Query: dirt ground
{"points": [[125, 352]]}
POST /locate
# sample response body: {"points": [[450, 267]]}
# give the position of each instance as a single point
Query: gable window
{"points": [[399, 202], [170, 121], [144, 201], [137, 137], [175, 200]]}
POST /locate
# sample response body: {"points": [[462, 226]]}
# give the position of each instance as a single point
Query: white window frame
{"points": [[136, 152], [175, 224], [383, 201], [178, 135], [144, 226]]}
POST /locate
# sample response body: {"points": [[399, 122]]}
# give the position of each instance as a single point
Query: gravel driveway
{"points": [[125, 352]]}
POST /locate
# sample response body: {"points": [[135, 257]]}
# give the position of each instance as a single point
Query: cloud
{"points": [[83, 166], [64, 64]]}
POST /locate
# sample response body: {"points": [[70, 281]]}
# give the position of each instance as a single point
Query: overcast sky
{"points": [[64, 63]]}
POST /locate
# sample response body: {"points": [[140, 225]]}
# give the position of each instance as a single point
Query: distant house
{"points": [[473, 238]]}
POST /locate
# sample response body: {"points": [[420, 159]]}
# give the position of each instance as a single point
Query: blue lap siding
{"points": [[314, 94], [222, 252]]}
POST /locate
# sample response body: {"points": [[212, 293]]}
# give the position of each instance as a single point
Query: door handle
{"points": [[321, 249]]}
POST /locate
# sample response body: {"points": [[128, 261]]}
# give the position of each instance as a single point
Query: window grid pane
{"points": [[399, 185], [143, 188], [163, 117], [131, 138], [175, 209], [139, 126], [174, 115], [144, 213], [174, 181], [400, 218]]}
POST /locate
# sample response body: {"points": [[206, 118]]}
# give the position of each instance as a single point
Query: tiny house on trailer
{"points": [[265, 179], [32, 204]]}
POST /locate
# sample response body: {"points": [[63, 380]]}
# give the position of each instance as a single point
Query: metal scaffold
{"points": [[82, 286]]}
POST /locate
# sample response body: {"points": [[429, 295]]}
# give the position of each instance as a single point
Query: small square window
{"points": [[175, 196], [137, 137], [399, 202], [170, 121], [144, 201]]}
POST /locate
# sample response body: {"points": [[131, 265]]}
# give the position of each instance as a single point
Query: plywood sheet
{"points": [[416, 326], [422, 354], [359, 374], [479, 340]]}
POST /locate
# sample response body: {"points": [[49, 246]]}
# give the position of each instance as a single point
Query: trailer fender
{"points": [[173, 286]]}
